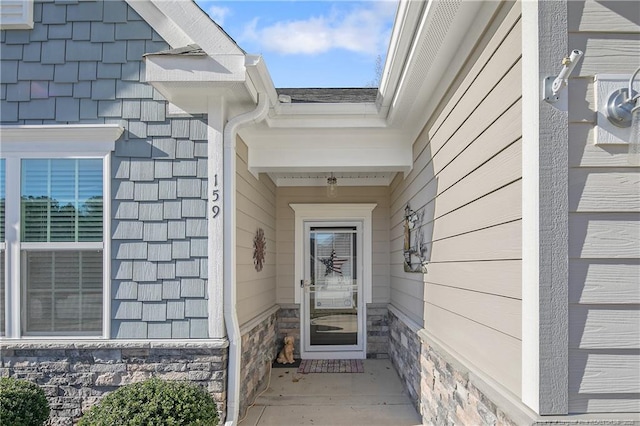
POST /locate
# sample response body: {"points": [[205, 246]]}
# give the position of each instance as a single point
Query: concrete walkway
{"points": [[375, 397]]}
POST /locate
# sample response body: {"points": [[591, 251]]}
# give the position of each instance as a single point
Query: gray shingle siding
{"points": [[82, 63]]}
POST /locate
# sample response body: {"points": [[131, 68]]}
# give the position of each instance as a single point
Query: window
{"points": [[61, 201], [54, 230]]}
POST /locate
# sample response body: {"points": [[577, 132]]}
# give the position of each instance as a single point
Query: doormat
{"points": [[295, 364], [331, 366]]}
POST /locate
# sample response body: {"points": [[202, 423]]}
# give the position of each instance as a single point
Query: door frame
{"points": [[332, 351], [333, 213]]}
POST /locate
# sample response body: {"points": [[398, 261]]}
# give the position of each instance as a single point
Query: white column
{"points": [[215, 230], [545, 211]]}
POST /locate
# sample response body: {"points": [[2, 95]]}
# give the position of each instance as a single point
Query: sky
{"points": [[311, 43]]}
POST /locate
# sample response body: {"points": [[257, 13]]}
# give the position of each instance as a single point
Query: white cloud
{"points": [[363, 29], [218, 13]]}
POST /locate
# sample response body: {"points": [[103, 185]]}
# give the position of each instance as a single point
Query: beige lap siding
{"points": [[255, 208], [467, 180]]}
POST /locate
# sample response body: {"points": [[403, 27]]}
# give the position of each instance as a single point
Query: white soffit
{"points": [[446, 35]]}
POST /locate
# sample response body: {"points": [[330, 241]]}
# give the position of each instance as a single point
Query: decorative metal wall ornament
{"points": [[415, 249], [259, 247]]}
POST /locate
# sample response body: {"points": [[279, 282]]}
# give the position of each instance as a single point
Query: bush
{"points": [[154, 402], [22, 403]]}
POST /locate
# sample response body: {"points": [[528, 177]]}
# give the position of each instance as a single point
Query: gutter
{"points": [[229, 257]]}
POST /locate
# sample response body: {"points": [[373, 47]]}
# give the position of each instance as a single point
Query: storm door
{"points": [[332, 315]]}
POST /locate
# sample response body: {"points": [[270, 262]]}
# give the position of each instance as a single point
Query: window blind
{"points": [[61, 200], [63, 291]]}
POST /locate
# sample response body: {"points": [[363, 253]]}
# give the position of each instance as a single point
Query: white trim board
{"points": [[545, 140]]}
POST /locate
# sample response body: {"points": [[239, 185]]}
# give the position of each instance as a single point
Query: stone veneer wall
{"points": [[441, 389], [404, 350], [377, 331], [258, 351], [449, 397], [75, 376], [288, 323]]}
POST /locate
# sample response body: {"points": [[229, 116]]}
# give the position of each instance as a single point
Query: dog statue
{"points": [[286, 354]]}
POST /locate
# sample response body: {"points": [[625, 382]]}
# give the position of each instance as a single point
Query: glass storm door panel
{"points": [[332, 291]]}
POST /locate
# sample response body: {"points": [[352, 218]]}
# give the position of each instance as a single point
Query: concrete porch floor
{"points": [[375, 397]]}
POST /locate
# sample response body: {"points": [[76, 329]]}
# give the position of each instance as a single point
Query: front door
{"points": [[332, 315]]}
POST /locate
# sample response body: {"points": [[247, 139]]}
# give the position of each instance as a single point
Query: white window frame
{"points": [[55, 142]]}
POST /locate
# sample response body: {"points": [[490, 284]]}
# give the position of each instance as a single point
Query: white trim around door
{"points": [[332, 214]]}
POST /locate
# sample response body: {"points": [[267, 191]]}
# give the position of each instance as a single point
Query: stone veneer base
{"points": [[404, 350], [288, 323], [442, 391], [258, 351], [76, 375]]}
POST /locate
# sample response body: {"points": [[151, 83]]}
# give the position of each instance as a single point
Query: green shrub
{"points": [[22, 403], [154, 402]]}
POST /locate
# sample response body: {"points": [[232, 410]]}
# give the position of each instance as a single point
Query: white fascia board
{"points": [[199, 27], [321, 151], [16, 14], [258, 79], [181, 23], [189, 81], [173, 68], [327, 121], [402, 36], [172, 32]]}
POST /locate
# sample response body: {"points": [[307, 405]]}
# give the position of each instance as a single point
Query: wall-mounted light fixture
{"points": [[553, 85], [621, 103], [332, 186], [623, 110]]}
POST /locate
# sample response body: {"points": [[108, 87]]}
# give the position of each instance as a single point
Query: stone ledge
{"points": [[115, 344]]}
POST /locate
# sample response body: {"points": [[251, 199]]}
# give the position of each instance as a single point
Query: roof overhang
{"points": [[431, 41], [190, 81]]}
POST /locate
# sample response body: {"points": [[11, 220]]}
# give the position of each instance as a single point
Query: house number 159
{"points": [[215, 197]]}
